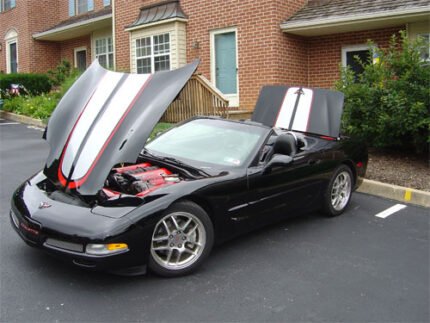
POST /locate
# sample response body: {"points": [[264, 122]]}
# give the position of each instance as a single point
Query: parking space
{"points": [[370, 264]]}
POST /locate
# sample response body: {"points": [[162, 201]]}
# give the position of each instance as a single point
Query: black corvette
{"points": [[109, 199]]}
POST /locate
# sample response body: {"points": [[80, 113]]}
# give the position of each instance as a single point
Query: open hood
{"points": [[105, 119], [316, 111]]}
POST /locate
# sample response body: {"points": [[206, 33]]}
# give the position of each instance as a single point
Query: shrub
{"points": [[388, 104], [60, 73], [39, 107], [34, 83]]}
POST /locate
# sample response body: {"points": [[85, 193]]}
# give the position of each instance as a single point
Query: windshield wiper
{"points": [[174, 161], [181, 163]]}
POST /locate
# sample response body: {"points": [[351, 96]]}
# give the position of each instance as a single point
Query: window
{"points": [[153, 54], [80, 6], [425, 49], [7, 5], [104, 52], [106, 3], [350, 55], [11, 51]]}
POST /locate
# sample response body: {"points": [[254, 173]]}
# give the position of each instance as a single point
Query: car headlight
{"points": [[98, 249]]}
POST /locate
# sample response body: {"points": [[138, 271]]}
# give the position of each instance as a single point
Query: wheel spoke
{"points": [[192, 230], [184, 227], [178, 258], [167, 227], [158, 239], [169, 255], [175, 223]]}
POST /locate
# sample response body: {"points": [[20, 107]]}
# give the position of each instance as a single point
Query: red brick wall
{"points": [[67, 49], [325, 52], [64, 8], [265, 54], [33, 56]]}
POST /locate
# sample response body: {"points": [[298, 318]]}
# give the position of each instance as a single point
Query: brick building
{"points": [[242, 44]]}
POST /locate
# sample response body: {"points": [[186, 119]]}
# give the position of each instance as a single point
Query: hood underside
{"points": [[316, 111], [105, 119]]}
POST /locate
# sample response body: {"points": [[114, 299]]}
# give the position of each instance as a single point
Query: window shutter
{"points": [[71, 8], [106, 2], [12, 3], [90, 5]]}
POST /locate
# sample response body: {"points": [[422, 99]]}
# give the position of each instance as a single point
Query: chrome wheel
{"points": [[341, 190], [178, 240]]}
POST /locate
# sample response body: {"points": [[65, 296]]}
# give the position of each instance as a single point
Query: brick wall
{"points": [[67, 48], [33, 56], [265, 54], [325, 52], [63, 6]]}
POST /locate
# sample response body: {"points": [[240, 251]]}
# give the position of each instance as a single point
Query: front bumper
{"points": [[64, 230]]}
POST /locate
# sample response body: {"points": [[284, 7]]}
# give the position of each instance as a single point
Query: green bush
{"points": [[60, 73], [388, 104], [34, 83], [39, 107]]}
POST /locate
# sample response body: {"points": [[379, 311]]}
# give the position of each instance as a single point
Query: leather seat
{"points": [[285, 144]]}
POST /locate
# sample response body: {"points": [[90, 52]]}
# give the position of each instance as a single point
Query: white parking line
{"points": [[391, 210], [7, 123]]}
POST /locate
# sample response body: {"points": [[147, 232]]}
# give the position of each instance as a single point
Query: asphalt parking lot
{"points": [[356, 267]]}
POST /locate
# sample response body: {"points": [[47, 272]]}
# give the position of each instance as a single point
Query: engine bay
{"points": [[138, 180]]}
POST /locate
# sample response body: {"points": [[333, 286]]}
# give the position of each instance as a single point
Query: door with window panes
{"points": [[153, 54], [104, 52]]}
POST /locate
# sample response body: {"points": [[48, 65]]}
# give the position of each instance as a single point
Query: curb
{"points": [[394, 192], [390, 191], [22, 119]]}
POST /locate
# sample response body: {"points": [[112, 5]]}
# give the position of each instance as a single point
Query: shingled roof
{"points": [[320, 17], [320, 9]]}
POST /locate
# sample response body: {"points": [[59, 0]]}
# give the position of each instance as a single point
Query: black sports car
{"points": [[110, 199]]}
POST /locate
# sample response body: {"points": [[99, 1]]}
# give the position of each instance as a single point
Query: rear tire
{"points": [[338, 192], [182, 239]]}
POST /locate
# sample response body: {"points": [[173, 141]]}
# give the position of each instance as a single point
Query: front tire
{"points": [[181, 240], [339, 191]]}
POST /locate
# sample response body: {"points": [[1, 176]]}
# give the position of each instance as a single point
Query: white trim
{"points": [[152, 56], [351, 19], [233, 98], [112, 3], [152, 24], [352, 48], [10, 41], [71, 26], [75, 57]]}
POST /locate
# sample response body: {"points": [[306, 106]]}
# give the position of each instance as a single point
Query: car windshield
{"points": [[210, 141]]}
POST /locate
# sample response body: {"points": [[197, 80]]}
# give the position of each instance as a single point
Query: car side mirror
{"points": [[276, 161]]}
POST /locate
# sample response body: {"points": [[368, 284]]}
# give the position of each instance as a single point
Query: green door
{"points": [[225, 62]]}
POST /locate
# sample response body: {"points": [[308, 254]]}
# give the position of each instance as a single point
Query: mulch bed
{"points": [[399, 168]]}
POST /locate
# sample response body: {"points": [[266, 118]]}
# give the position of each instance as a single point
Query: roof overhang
{"points": [[348, 23], [156, 23], [76, 29]]}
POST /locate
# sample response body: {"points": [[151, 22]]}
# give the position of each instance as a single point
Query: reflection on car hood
{"points": [[105, 119], [316, 111]]}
